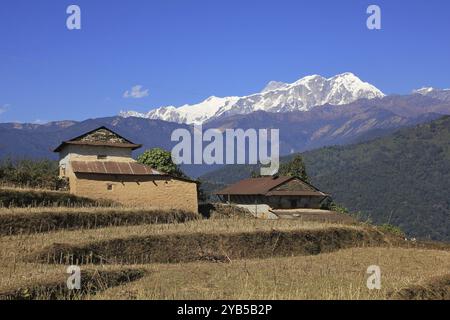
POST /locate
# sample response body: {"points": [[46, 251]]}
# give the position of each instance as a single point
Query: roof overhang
{"points": [[296, 193], [131, 146], [76, 141]]}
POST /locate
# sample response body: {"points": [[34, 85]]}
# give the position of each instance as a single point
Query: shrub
{"points": [[31, 174], [220, 211], [389, 228], [338, 208]]}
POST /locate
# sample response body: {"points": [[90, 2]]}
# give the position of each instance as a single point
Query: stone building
{"points": [[99, 165], [273, 192]]}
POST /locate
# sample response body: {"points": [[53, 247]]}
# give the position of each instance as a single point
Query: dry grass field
{"points": [[129, 253], [337, 275]]}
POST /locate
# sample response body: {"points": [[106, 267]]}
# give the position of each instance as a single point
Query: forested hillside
{"points": [[402, 179]]}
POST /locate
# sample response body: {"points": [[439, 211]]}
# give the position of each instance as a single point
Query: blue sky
{"points": [[184, 51]]}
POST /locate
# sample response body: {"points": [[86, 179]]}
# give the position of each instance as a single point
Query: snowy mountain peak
{"points": [[440, 94], [424, 90], [301, 95], [274, 85], [348, 75]]}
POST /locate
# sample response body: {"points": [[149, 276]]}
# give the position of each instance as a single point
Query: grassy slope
{"points": [[13, 249], [17, 197], [37, 220], [403, 179], [337, 275], [340, 274]]}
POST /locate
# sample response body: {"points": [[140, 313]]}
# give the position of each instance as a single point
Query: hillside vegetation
{"points": [[401, 179], [27, 173], [226, 258]]}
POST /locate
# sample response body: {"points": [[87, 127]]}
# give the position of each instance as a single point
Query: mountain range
{"points": [[440, 94], [276, 97], [292, 108]]}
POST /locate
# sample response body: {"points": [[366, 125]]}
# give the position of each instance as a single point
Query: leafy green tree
{"points": [[161, 160], [294, 168]]}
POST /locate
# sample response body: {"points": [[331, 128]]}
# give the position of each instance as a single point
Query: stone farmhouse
{"points": [[99, 165]]}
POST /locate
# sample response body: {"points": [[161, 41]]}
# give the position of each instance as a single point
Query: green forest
{"points": [[401, 179]]}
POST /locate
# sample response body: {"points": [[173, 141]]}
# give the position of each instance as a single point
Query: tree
{"points": [[294, 168], [161, 160], [31, 173], [255, 174]]}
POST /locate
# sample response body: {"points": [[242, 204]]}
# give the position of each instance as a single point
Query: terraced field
{"points": [[141, 254]]}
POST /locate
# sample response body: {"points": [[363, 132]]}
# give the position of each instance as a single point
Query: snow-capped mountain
{"points": [[302, 95], [440, 94], [195, 113]]}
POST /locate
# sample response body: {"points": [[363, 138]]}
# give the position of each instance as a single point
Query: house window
{"points": [[109, 187], [101, 157]]}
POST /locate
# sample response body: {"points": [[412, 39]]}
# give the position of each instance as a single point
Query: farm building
{"points": [[272, 192], [99, 165]]}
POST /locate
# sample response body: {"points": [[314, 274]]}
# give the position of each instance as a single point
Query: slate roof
{"points": [[101, 136]]}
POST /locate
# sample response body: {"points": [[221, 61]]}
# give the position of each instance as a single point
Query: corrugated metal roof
{"points": [[113, 167], [265, 186]]}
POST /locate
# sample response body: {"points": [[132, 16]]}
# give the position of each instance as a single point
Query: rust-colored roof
{"points": [[266, 185], [118, 142], [254, 186], [113, 167], [295, 193]]}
